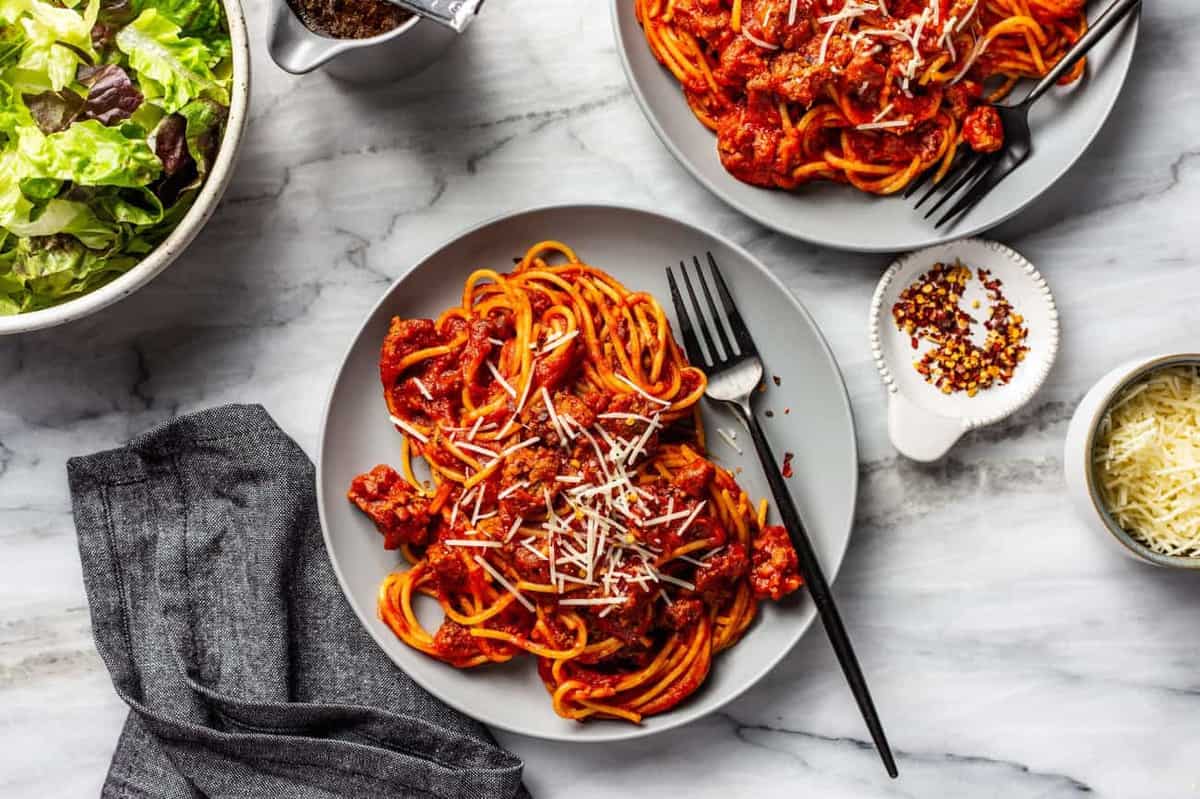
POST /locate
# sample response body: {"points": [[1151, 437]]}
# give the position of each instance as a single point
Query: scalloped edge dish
{"points": [[923, 423]]}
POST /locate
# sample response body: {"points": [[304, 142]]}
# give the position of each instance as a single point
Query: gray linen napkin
{"points": [[220, 620]]}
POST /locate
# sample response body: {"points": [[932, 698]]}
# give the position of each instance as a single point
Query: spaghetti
{"points": [[868, 92], [570, 513]]}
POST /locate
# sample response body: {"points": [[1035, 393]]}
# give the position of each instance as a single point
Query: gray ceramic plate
{"points": [[634, 246], [1064, 123]]}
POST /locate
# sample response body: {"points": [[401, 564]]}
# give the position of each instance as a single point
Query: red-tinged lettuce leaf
{"points": [[54, 111], [205, 125], [113, 15], [104, 37], [170, 143], [187, 143], [179, 168], [112, 97], [117, 12]]}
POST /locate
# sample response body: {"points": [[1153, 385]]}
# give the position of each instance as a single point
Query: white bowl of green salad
{"points": [[120, 121]]}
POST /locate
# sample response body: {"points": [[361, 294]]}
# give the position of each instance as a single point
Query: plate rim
{"points": [[623, 733], [1133, 24]]}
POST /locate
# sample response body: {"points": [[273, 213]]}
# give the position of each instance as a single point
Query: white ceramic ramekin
{"points": [[206, 202], [1077, 457], [924, 423]]}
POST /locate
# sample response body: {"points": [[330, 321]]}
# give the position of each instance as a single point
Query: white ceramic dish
{"points": [[924, 423], [206, 202], [1081, 441], [634, 246], [1065, 122]]}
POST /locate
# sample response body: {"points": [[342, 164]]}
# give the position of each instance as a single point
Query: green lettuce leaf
{"points": [[15, 207], [50, 269], [40, 189], [44, 63], [202, 19], [76, 219], [136, 207], [171, 70], [12, 41], [89, 153], [81, 201]]}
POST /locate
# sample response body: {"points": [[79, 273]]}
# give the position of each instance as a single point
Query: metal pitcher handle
{"points": [[294, 47]]}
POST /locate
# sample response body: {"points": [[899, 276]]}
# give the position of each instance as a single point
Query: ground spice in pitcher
{"points": [[349, 19]]}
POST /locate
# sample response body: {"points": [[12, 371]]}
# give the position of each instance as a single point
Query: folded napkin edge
{"points": [[128, 462]]}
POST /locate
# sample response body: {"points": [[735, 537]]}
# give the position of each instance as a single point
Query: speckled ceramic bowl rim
{"points": [[206, 202], [1124, 538], [1050, 355]]}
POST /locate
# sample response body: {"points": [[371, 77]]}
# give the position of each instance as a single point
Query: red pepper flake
{"points": [[786, 411], [787, 464], [776, 379], [928, 310]]}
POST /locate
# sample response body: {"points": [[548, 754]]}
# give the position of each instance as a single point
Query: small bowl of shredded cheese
{"points": [[1133, 458]]}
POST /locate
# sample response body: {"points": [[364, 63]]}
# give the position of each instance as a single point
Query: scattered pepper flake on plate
{"points": [[776, 379], [929, 311], [787, 464], [769, 414]]}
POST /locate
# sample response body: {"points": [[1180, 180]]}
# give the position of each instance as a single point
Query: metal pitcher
{"points": [[403, 51]]}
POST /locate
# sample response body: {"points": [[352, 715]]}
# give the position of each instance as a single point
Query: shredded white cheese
{"points": [[760, 42], [509, 587], [408, 428], [615, 600], [512, 392], [475, 429], [891, 123], [728, 436], [1147, 461]]}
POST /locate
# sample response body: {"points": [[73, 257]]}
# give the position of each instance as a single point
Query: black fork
{"points": [[979, 173], [733, 377]]}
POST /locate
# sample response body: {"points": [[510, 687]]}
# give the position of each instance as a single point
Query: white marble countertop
{"points": [[1010, 653]]}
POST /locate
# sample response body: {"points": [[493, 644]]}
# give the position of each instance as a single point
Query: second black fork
{"points": [[979, 173]]}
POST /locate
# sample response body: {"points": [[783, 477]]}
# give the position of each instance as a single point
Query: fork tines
{"points": [[970, 170], [711, 356]]}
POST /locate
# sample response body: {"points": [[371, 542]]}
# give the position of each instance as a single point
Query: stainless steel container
{"points": [[398, 53]]}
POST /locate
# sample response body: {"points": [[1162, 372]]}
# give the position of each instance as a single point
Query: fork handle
{"points": [[818, 586], [1097, 31]]}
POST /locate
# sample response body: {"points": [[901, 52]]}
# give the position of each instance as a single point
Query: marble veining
{"points": [[1011, 654]]}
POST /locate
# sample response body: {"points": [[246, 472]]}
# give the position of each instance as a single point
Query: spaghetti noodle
{"points": [[867, 92], [570, 513]]}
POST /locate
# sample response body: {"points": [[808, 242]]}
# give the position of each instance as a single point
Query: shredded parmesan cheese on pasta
{"points": [[1147, 461]]}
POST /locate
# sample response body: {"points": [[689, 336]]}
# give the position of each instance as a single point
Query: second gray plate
{"points": [[1064, 123], [634, 246]]}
